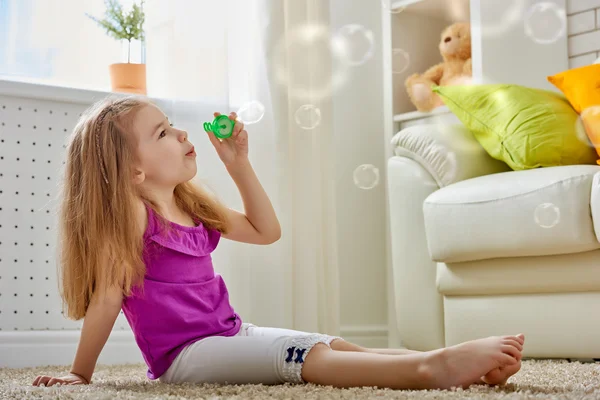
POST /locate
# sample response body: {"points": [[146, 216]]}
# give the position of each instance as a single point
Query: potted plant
{"points": [[125, 77]]}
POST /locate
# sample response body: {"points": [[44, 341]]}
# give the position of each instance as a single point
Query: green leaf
{"points": [[119, 26]]}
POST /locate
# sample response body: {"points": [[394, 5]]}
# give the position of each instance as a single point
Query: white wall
{"points": [[502, 45], [584, 31]]}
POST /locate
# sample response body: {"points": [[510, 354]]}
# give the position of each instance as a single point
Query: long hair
{"points": [[101, 241]]}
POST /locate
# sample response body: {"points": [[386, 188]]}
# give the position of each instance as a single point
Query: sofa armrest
{"points": [[450, 153], [427, 157], [414, 299]]}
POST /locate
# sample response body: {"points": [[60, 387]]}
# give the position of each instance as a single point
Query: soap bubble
{"points": [[547, 215], [545, 22], [389, 7], [445, 158], [580, 132], [309, 45], [366, 176], [588, 126], [251, 112], [450, 166], [355, 44], [400, 61], [497, 24], [308, 116]]}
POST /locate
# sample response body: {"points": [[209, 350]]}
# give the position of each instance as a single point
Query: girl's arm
{"points": [[97, 325], [259, 224]]}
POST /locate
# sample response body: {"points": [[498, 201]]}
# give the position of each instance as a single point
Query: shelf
{"points": [[419, 115], [454, 10], [398, 4]]}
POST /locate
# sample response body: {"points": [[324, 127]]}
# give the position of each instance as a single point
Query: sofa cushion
{"points": [[535, 212], [518, 275], [525, 127]]}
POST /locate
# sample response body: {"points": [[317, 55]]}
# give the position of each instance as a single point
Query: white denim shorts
{"points": [[255, 355]]}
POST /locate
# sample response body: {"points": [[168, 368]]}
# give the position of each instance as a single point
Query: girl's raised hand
{"points": [[234, 149]]}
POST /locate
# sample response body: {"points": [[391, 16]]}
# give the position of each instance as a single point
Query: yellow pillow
{"points": [[591, 122], [581, 86]]}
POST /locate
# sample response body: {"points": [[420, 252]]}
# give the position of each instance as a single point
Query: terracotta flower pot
{"points": [[128, 78]]}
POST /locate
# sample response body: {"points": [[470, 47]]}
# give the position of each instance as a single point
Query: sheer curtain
{"points": [[222, 55]]}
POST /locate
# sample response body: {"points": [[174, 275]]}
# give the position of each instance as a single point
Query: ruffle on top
{"points": [[194, 241]]}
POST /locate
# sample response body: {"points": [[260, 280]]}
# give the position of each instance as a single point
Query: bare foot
{"points": [[500, 375], [465, 364]]}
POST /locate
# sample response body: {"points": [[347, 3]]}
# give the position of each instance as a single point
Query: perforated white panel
{"points": [[32, 137]]}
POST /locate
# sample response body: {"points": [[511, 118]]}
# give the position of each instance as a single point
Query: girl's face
{"points": [[165, 157]]}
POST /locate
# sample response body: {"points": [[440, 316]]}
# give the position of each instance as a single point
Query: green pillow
{"points": [[524, 127]]}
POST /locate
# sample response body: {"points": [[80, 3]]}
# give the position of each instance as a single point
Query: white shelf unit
{"points": [[417, 31], [501, 50]]}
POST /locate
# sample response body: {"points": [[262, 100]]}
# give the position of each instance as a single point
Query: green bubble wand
{"points": [[222, 126]]}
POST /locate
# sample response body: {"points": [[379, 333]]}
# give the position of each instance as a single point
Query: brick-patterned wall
{"points": [[584, 31]]}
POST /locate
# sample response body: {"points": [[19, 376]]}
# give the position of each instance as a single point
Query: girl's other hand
{"points": [[70, 379]]}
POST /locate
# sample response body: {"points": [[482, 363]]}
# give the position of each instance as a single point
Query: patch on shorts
{"points": [[299, 353]]}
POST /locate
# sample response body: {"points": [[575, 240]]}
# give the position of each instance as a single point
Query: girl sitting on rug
{"points": [[137, 236]]}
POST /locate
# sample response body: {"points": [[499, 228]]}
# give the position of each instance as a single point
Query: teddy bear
{"points": [[455, 48]]}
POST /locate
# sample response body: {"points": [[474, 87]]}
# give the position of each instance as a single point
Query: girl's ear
{"points": [[138, 176]]}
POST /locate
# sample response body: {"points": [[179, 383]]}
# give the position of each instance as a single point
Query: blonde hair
{"points": [[101, 241]]}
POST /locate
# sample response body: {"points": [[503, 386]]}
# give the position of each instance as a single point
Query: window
{"points": [[192, 53], [54, 42]]}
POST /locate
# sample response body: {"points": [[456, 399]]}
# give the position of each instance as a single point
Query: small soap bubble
{"points": [[400, 61], [251, 112], [545, 22], [547, 215], [308, 116], [447, 159], [451, 166], [310, 44], [355, 43], [499, 23], [587, 127], [366, 176]]}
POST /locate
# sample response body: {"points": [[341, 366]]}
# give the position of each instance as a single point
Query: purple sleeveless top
{"points": [[183, 299]]}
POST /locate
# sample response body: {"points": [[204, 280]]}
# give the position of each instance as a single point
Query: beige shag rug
{"points": [[538, 379]]}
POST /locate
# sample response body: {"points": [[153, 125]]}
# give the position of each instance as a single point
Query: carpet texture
{"points": [[538, 379]]}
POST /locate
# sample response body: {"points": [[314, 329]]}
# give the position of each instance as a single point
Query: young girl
{"points": [[137, 235]]}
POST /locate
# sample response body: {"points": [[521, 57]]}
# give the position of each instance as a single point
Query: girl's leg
{"points": [[495, 377], [340, 344], [461, 365], [372, 365], [343, 345], [308, 358]]}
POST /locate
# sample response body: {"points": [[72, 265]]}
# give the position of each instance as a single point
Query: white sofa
{"points": [[470, 259]]}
